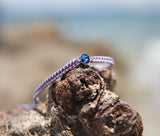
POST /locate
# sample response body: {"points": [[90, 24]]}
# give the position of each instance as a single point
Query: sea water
{"points": [[125, 32]]}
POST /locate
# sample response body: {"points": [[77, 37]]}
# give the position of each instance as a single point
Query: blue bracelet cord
{"points": [[54, 77], [84, 58]]}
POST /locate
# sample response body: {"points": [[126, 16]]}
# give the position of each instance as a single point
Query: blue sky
{"points": [[13, 9], [77, 5]]}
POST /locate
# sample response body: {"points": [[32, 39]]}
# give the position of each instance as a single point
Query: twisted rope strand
{"points": [[54, 77], [84, 58], [102, 59]]}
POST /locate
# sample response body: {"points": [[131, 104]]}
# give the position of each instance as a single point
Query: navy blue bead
{"points": [[85, 59]]}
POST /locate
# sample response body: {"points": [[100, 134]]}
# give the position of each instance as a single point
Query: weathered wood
{"points": [[81, 103]]}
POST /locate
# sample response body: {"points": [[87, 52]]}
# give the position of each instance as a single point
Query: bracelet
{"points": [[84, 59]]}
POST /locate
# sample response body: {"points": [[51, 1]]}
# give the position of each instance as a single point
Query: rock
{"points": [[81, 103]]}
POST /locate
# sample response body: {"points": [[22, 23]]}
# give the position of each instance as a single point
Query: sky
{"points": [[77, 5]]}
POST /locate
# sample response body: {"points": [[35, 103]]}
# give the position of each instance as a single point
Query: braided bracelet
{"points": [[84, 58]]}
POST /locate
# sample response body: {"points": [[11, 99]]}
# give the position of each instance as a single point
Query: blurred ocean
{"points": [[128, 31]]}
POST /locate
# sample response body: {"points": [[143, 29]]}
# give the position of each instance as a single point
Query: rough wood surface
{"points": [[81, 103]]}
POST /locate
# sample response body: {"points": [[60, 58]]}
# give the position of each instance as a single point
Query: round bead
{"points": [[85, 59]]}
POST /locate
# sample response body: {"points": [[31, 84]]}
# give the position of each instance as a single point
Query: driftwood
{"points": [[82, 103]]}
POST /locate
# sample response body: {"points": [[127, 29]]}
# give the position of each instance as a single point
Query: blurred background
{"points": [[38, 37]]}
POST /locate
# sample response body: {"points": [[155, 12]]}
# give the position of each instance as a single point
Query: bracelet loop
{"points": [[84, 58]]}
